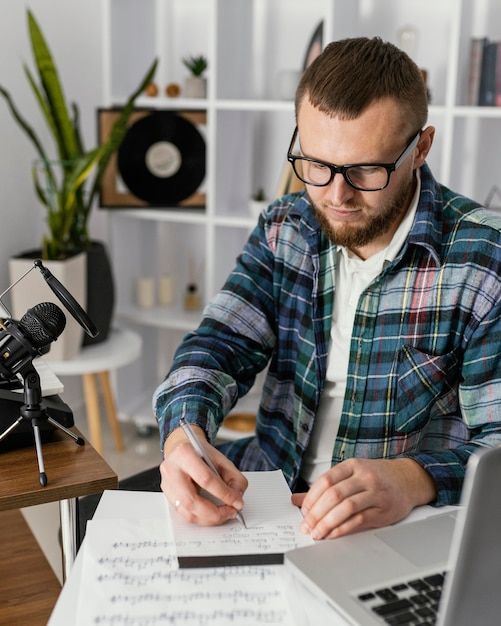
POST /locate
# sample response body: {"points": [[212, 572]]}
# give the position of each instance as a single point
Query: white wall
{"points": [[74, 31]]}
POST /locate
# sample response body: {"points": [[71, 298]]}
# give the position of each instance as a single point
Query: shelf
{"points": [[188, 216], [477, 112], [248, 104], [248, 43], [161, 317], [255, 105], [174, 104], [185, 216]]}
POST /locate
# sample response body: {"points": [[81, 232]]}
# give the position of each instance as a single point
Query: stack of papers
{"points": [[272, 529], [130, 572]]}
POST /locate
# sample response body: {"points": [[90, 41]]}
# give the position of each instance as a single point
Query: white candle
{"points": [[166, 289], [145, 292]]}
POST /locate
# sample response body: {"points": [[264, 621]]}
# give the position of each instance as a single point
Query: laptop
{"points": [[394, 575]]}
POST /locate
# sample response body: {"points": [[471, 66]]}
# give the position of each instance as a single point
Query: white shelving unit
{"points": [[247, 43]]}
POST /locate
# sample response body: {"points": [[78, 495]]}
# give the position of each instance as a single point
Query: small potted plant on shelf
{"points": [[68, 184], [195, 85]]}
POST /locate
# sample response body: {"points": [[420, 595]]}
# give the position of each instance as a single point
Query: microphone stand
{"points": [[33, 410]]}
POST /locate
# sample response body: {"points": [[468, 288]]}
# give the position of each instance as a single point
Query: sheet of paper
{"points": [[272, 529], [130, 576]]}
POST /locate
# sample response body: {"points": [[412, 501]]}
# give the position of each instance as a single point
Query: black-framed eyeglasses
{"points": [[360, 176]]}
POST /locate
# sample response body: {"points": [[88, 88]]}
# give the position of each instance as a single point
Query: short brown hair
{"points": [[350, 74]]}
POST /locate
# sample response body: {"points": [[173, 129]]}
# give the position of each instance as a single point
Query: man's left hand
{"points": [[358, 494]]}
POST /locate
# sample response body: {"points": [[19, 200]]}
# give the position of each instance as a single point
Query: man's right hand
{"points": [[184, 473]]}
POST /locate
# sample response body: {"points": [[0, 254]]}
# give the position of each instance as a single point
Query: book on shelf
{"points": [[484, 84], [497, 99], [476, 54]]}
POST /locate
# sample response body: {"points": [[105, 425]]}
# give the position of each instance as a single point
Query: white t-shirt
{"points": [[353, 276]]}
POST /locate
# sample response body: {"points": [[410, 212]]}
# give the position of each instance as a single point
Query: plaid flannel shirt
{"points": [[424, 378]]}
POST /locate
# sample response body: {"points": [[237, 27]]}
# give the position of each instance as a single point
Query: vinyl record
{"points": [[162, 158]]}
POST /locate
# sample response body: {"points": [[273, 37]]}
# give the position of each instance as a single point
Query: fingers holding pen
{"points": [[184, 474]]}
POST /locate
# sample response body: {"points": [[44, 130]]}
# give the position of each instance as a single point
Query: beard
{"points": [[385, 216]]}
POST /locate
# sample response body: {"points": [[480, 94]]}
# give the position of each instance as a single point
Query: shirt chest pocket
{"points": [[423, 382]]}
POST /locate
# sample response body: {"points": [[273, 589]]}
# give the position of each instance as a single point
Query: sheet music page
{"points": [[130, 575], [272, 528]]}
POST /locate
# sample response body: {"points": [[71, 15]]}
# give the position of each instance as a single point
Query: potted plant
{"points": [[195, 86], [68, 185]]}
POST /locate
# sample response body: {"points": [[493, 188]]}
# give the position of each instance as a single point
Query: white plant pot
{"points": [[195, 87], [33, 289]]}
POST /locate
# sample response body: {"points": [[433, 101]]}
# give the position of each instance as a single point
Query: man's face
{"points": [[363, 221]]}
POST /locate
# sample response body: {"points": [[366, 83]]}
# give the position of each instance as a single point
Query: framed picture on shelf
{"points": [[315, 45], [161, 161]]}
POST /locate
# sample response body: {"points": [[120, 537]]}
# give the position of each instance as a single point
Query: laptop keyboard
{"points": [[412, 602]]}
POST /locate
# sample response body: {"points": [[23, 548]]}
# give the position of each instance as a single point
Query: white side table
{"points": [[121, 348]]}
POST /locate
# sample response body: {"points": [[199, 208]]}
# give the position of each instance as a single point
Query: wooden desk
{"points": [[72, 471]]}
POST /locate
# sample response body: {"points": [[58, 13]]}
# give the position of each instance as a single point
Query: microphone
{"points": [[43, 323], [22, 341]]}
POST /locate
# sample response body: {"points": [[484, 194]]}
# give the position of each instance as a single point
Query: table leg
{"points": [[69, 533], [111, 409], [93, 416]]}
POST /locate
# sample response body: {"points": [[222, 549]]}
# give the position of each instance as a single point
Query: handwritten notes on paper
{"points": [[130, 576], [272, 529]]}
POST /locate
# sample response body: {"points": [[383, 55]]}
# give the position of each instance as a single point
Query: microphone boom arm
{"points": [[63, 295]]}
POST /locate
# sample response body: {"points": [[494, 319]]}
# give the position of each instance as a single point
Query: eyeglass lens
{"points": [[364, 177]]}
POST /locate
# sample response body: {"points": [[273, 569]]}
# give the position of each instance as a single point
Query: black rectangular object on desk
{"points": [[231, 560], [10, 405]]}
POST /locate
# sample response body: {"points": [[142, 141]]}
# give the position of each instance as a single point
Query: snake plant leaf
{"points": [[119, 129], [80, 171], [23, 123], [53, 246], [53, 90], [67, 187], [46, 111], [63, 201], [76, 127], [40, 191]]}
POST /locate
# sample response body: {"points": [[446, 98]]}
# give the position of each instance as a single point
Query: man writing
{"points": [[374, 298]]}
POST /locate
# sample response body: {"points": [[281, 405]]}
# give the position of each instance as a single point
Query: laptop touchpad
{"points": [[423, 542]]}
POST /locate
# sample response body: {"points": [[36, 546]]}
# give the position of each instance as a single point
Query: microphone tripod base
{"points": [[33, 415], [78, 440]]}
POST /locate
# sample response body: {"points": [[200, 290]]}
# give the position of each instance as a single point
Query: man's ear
{"points": [[424, 145]]}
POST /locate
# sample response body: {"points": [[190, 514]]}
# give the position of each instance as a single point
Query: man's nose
{"points": [[339, 190]]}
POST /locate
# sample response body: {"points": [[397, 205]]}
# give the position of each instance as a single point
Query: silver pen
{"points": [[193, 439]]}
